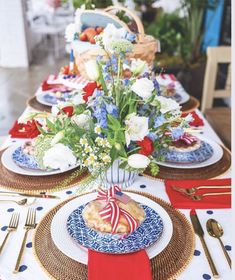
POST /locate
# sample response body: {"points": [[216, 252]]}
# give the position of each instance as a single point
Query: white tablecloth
{"points": [[198, 268]]}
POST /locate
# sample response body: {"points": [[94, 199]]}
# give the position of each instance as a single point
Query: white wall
{"points": [[13, 29]]}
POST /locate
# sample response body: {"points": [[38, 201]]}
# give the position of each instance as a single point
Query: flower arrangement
{"points": [[119, 115]]}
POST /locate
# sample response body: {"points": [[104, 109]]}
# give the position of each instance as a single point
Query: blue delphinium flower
{"points": [[146, 75], [112, 109], [176, 133], [160, 120], [157, 87], [101, 116], [152, 136], [126, 82]]}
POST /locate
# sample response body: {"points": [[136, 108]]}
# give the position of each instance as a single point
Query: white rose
{"points": [[70, 32], [143, 87], [136, 128], [59, 157], [92, 70], [138, 161], [167, 104], [82, 120]]}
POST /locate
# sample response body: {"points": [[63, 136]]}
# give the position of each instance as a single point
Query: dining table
{"points": [[197, 269]]}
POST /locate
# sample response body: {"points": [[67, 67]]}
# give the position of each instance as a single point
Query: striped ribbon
{"points": [[187, 138], [112, 212]]}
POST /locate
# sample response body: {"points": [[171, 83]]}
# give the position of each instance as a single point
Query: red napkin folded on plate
{"points": [[197, 120], [22, 130], [133, 266], [181, 201]]}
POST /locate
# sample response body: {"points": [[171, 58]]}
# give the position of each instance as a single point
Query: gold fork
{"points": [[200, 196], [195, 189], [30, 223], [13, 224]]}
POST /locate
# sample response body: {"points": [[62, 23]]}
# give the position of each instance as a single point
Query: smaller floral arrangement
{"points": [[119, 115]]}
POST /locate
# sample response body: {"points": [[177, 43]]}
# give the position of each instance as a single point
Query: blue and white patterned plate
{"points": [[26, 165], [50, 99], [24, 160], [146, 234], [204, 152], [210, 153]]}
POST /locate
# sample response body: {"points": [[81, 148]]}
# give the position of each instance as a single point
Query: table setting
{"points": [[112, 172]]}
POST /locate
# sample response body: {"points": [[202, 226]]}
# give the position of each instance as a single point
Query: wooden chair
{"points": [[218, 117]]}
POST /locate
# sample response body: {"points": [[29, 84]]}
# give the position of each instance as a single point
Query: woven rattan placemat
{"points": [[34, 184], [34, 104], [207, 172], [166, 265], [190, 105]]}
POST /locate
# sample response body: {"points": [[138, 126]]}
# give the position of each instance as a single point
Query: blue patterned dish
{"points": [[24, 160], [203, 153], [146, 234]]}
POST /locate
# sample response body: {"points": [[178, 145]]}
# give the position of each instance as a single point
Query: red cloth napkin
{"points": [[28, 130], [181, 201], [134, 266], [197, 120]]}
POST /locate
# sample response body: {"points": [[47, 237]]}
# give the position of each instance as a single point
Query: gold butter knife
{"points": [[199, 231], [39, 195]]}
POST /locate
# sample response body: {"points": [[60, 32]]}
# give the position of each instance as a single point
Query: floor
{"points": [[19, 84]]}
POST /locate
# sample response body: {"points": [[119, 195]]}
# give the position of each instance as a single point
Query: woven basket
{"points": [[144, 49]]}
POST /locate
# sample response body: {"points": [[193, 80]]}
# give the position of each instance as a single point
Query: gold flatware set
{"points": [[192, 194], [215, 230], [30, 224]]}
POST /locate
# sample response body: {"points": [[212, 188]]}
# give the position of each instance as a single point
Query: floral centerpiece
{"points": [[119, 118]]}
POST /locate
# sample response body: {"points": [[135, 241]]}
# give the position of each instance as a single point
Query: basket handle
{"points": [[134, 16]]}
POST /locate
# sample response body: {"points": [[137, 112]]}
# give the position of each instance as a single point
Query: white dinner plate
{"points": [[72, 249], [178, 88], [9, 164], [217, 155], [41, 99]]}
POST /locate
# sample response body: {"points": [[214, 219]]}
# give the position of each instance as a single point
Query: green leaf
{"points": [[50, 125], [113, 123]]}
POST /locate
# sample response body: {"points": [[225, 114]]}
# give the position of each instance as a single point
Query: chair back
{"points": [[215, 55]]}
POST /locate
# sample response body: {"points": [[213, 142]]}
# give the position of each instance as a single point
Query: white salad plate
{"points": [[178, 88], [216, 156], [72, 249], [9, 164]]}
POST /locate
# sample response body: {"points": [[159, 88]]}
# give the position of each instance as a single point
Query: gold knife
{"points": [[199, 231], [39, 195]]}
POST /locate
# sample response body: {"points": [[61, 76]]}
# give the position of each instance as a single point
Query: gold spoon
{"points": [[216, 230], [24, 201]]}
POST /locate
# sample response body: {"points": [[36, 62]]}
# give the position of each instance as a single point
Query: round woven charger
{"points": [[190, 105], [207, 172], [166, 265], [34, 104], [33, 184]]}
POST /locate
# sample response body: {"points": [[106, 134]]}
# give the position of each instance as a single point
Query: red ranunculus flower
{"points": [[89, 89], [146, 146], [21, 130], [68, 110]]}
